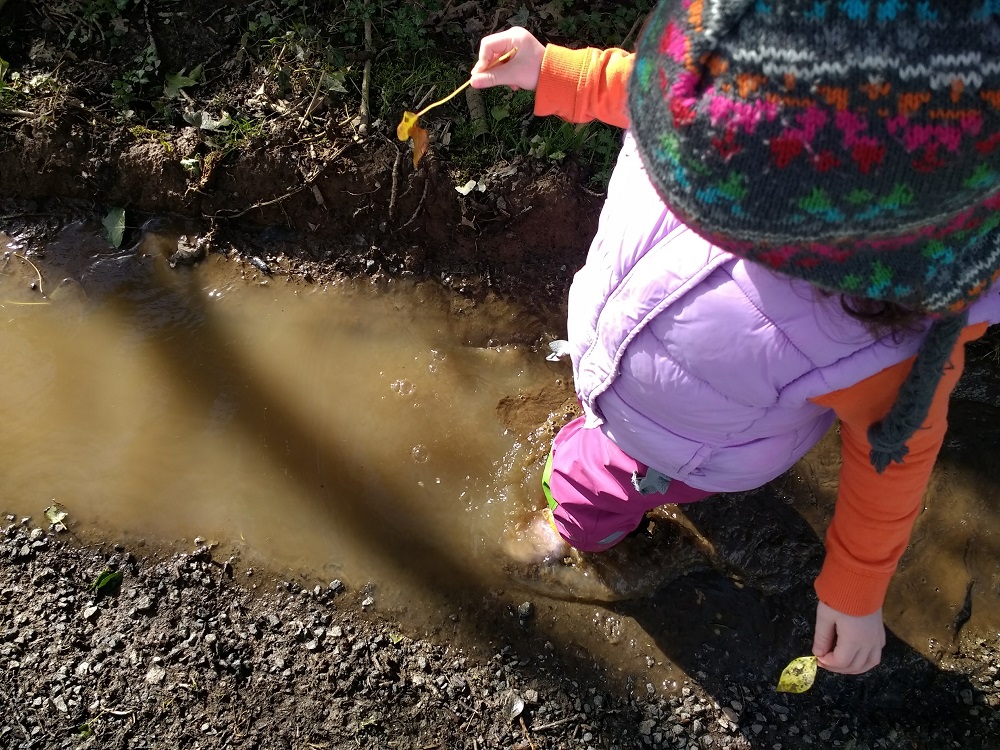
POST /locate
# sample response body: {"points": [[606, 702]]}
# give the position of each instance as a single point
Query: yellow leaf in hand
{"points": [[798, 676], [406, 125]]}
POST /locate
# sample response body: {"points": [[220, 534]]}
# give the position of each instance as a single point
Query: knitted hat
{"points": [[854, 144]]}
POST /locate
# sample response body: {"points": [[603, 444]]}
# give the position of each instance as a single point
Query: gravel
{"points": [[181, 652]]}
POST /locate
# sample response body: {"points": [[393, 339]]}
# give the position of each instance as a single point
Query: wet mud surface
{"points": [[192, 649]]}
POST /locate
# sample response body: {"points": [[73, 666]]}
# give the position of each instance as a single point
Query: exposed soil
{"points": [[190, 651]]}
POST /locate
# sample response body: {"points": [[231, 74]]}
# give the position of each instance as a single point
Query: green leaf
{"points": [[335, 81], [204, 121], [4, 66], [106, 579], [500, 113], [174, 82], [798, 676], [114, 226]]}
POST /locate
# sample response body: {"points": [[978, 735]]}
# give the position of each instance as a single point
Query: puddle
{"points": [[345, 431], [353, 432]]}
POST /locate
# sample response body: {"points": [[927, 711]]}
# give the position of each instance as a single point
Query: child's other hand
{"points": [[846, 644], [521, 72]]}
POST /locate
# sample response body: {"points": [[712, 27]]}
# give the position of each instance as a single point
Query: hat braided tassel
{"points": [[888, 437]]}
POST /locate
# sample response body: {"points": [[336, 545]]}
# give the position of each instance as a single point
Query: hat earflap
{"points": [[888, 437]]}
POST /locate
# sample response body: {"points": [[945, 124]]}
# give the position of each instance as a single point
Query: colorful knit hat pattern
{"points": [[854, 144], [851, 143]]}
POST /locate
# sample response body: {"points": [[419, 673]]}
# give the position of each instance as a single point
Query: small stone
{"points": [[155, 675], [336, 586], [367, 602], [525, 610], [59, 703], [646, 727], [90, 613]]}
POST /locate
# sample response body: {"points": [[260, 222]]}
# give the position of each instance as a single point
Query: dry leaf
{"points": [[798, 676], [420, 143]]}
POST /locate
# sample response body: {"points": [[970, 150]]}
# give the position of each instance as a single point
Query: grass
{"points": [[317, 49]]}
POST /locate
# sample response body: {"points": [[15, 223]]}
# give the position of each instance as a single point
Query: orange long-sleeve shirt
{"points": [[875, 512]]}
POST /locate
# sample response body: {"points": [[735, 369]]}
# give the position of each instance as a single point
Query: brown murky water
{"points": [[352, 432]]}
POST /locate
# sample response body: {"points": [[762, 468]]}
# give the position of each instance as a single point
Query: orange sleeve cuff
{"points": [[875, 512], [580, 85]]}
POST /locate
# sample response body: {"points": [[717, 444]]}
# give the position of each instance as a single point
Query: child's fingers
{"points": [[491, 48]]}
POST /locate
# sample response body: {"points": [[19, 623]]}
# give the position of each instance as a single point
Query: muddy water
{"points": [[343, 431], [354, 433]]}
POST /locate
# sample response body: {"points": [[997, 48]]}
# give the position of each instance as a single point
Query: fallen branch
{"points": [[17, 113]]}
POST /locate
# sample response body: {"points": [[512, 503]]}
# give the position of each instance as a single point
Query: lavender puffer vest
{"points": [[699, 364]]}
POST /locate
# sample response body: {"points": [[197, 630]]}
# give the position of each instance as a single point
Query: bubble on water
{"points": [[420, 454], [403, 387]]}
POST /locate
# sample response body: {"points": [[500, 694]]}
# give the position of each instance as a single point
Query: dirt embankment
{"points": [[320, 190]]}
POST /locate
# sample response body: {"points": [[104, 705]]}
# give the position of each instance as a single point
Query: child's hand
{"points": [[521, 72], [846, 644]]}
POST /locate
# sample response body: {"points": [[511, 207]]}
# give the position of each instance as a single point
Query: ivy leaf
{"points": [[204, 121], [174, 82], [798, 676], [114, 226]]}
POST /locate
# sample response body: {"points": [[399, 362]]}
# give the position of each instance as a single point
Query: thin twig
{"points": [[631, 31], [524, 728], [395, 183], [274, 201], [260, 204], [554, 724], [312, 103], [417, 209], [505, 57], [365, 115], [39, 273], [425, 97], [149, 29]]}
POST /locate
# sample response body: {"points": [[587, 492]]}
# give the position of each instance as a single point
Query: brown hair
{"points": [[882, 318]]}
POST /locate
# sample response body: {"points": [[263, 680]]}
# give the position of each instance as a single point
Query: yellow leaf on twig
{"points": [[409, 128], [798, 676]]}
